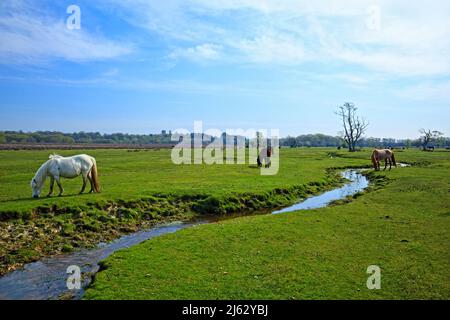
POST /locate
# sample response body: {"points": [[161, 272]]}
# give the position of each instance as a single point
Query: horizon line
{"points": [[169, 131]]}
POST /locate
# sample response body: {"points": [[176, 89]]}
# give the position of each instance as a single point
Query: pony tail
{"points": [[393, 159], [374, 160], [94, 176]]}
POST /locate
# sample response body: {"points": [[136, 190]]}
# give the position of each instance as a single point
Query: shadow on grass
{"points": [[40, 199]]}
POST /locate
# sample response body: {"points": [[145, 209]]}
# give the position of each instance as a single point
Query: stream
{"points": [[46, 279]]}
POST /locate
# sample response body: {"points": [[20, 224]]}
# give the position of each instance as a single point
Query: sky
{"points": [[141, 66]]}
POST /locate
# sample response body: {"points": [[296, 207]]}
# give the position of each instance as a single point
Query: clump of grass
{"points": [[67, 248]]}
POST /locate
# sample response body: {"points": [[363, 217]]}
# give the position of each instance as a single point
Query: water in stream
{"points": [[46, 279], [358, 182]]}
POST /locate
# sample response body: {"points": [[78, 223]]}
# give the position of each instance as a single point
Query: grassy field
{"points": [[403, 227], [134, 175], [140, 189]]}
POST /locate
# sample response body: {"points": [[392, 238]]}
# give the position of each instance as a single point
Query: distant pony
{"points": [[264, 156], [71, 167], [380, 155]]}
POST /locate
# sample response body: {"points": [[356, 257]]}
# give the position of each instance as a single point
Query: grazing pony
{"points": [[264, 156], [71, 167], [380, 155]]}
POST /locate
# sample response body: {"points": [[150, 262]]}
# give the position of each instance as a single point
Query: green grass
{"points": [[319, 254], [140, 189]]}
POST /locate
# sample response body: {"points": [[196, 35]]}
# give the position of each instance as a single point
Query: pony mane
{"points": [[54, 156], [41, 174]]}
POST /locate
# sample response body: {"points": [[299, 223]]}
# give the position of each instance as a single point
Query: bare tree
{"points": [[354, 126], [428, 136]]}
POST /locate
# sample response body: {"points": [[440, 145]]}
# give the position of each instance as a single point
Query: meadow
{"points": [[402, 227], [139, 189], [401, 224]]}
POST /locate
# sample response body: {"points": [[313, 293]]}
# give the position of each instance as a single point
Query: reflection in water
{"points": [[358, 183], [46, 279]]}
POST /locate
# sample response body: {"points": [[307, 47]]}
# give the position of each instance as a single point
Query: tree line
{"points": [[308, 140], [43, 137], [320, 140]]}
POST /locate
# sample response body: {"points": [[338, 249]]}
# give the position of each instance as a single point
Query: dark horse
{"points": [[265, 155]]}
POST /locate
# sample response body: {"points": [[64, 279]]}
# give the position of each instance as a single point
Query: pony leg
{"points": [[385, 164], [92, 183], [52, 183], [376, 162], [390, 165], [84, 184], [61, 190]]}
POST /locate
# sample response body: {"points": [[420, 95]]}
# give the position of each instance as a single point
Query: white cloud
{"points": [[270, 48], [346, 78], [200, 53], [29, 36], [413, 39]]}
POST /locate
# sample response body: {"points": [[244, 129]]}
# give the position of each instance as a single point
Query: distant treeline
{"points": [[164, 138], [321, 140], [7, 137]]}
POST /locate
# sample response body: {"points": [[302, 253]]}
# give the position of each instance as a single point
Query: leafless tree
{"points": [[428, 136], [354, 126]]}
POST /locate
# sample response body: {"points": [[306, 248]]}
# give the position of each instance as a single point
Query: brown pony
{"points": [[380, 155]]}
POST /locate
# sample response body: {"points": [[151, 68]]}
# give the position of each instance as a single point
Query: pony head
{"points": [[36, 188]]}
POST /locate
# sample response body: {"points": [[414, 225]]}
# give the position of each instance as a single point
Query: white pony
{"points": [[71, 167]]}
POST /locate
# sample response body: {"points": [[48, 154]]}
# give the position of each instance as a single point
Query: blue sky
{"points": [[142, 66]]}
